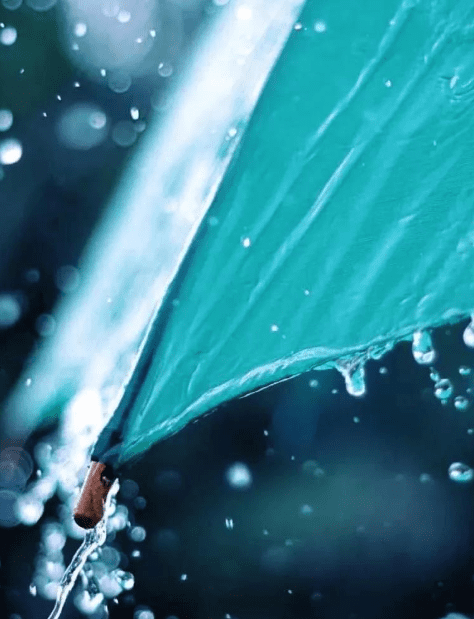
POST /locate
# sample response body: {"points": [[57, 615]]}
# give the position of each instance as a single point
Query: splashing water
{"points": [[353, 372], [92, 540], [422, 347]]}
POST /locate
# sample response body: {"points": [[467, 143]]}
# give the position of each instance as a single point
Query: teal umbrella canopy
{"points": [[344, 221]]}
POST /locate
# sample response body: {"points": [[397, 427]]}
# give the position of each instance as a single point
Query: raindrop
{"points": [[443, 389], [165, 69], [12, 5], [464, 370], [136, 554], [422, 347], [32, 589], [461, 403], [8, 36], [80, 29], [313, 383], [383, 370], [6, 120], [184, 577], [311, 467], [460, 472], [274, 328], [356, 419], [239, 476], [126, 579], [82, 127], [306, 510], [32, 276], [119, 81], [468, 335], [10, 310], [124, 134], [229, 523], [29, 510], [232, 132], [246, 241], [153, 33], [425, 478], [41, 5], [298, 25], [67, 278], [320, 26], [388, 83], [45, 325], [137, 534], [10, 151], [140, 502], [124, 16], [135, 113], [354, 377]]}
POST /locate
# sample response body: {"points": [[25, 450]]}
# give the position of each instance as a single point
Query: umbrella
{"points": [[343, 224]]}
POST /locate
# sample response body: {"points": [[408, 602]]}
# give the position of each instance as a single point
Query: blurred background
{"points": [[296, 502]]}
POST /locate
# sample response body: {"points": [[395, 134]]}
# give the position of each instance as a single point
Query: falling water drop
{"points": [[443, 389], [461, 403], [460, 472], [422, 347], [353, 372]]}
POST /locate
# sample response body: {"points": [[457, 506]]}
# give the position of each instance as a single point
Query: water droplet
{"points": [[443, 389], [313, 383], [468, 335], [383, 370], [298, 25], [153, 33], [461, 403], [33, 590], [356, 419], [10, 310], [11, 151], [229, 523], [320, 26], [135, 113], [274, 328], [464, 370], [311, 467], [124, 134], [137, 534], [460, 472], [425, 478], [232, 132], [422, 348], [80, 29], [239, 476], [246, 241], [126, 579], [29, 510], [12, 5], [306, 510], [184, 577], [354, 376], [6, 120], [140, 502], [81, 127], [119, 82], [124, 16], [8, 36], [165, 69]]}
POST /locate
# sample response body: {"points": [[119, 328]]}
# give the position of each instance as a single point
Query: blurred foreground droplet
{"points": [[460, 472]]}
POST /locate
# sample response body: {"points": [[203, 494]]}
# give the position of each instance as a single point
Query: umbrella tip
{"points": [[90, 506]]}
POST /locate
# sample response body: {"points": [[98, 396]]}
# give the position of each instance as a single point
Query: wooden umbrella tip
{"points": [[90, 506]]}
